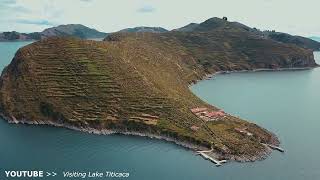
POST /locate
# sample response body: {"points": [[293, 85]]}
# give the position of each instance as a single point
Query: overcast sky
{"points": [[299, 17]]}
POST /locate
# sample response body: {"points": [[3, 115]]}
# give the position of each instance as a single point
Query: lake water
{"points": [[286, 103], [7, 51]]}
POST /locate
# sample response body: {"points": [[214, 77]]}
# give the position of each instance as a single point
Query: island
{"points": [[138, 84], [68, 30]]}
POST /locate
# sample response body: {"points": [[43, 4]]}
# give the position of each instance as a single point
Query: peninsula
{"points": [[137, 83]]}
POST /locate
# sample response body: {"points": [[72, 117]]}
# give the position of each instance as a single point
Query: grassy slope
{"points": [[227, 49], [111, 84], [217, 24]]}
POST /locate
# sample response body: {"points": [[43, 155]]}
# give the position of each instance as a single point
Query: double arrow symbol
{"points": [[51, 174]]}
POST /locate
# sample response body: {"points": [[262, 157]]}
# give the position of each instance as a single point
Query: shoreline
{"points": [[211, 75], [13, 41], [189, 146]]}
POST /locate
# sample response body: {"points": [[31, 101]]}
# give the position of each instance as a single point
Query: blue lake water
{"points": [[286, 103], [7, 51]]}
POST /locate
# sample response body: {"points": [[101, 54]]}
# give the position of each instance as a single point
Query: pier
{"points": [[205, 156], [274, 147]]}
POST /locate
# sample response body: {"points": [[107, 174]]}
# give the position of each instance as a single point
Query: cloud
{"points": [[12, 5], [146, 9], [35, 22], [87, 0], [20, 9]]}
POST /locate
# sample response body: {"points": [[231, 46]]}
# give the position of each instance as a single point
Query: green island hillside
{"points": [[138, 83], [218, 24]]}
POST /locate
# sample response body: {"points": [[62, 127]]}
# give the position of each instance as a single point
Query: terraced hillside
{"points": [[138, 83]]}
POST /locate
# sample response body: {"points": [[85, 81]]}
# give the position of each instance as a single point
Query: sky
{"points": [[297, 17]]}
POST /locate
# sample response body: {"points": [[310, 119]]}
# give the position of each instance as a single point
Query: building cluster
{"points": [[243, 131], [207, 115]]}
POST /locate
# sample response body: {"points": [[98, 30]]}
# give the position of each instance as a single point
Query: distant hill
{"points": [[315, 38], [73, 30], [14, 36], [145, 29], [224, 25], [214, 24], [70, 30]]}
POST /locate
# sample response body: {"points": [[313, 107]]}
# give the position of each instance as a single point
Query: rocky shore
{"points": [[193, 147]]}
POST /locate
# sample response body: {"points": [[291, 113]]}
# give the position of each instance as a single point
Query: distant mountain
{"points": [[73, 30], [315, 38], [145, 29], [70, 30], [13, 36], [215, 23], [212, 24]]}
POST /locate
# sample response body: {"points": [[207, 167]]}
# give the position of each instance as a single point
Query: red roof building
{"points": [[216, 114]]}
